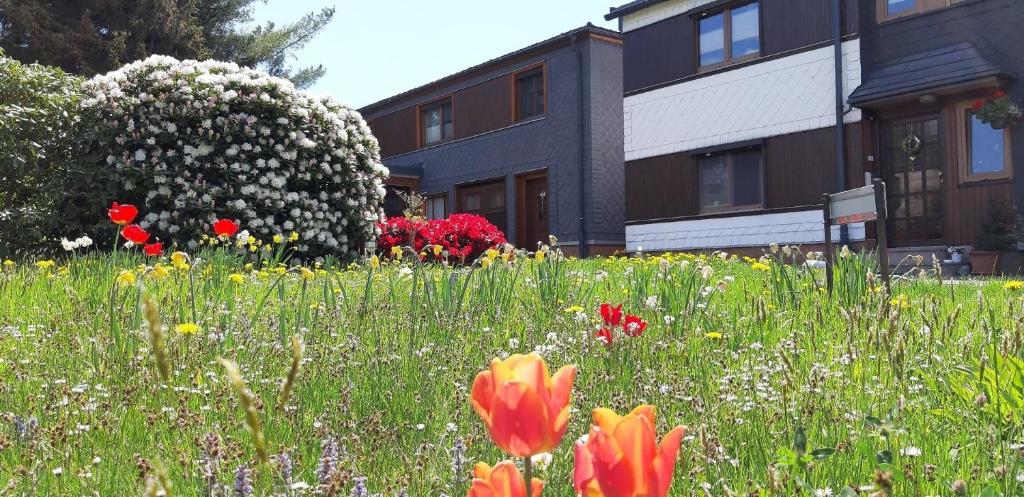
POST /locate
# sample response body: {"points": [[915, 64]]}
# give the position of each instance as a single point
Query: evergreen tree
{"points": [[88, 37]]}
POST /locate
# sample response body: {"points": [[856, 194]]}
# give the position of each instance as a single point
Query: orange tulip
{"points": [[526, 410], [503, 480], [620, 457]]}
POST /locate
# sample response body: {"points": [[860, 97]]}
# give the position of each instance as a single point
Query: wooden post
{"points": [[826, 201], [880, 227]]}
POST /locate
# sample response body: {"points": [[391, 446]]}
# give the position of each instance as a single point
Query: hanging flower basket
{"points": [[998, 111]]}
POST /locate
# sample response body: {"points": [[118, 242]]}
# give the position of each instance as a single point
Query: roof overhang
{"points": [[944, 71]]}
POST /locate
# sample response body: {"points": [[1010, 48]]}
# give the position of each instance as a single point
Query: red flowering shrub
{"points": [[465, 237]]}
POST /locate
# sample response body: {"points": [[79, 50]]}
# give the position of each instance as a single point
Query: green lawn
{"points": [[925, 384]]}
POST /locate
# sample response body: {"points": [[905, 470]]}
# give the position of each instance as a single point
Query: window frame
{"points": [[920, 7], [421, 133], [963, 145], [727, 41], [484, 186], [702, 210], [432, 197], [538, 68]]}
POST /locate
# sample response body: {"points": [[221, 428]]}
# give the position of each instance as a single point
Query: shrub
{"points": [[465, 237], [197, 141], [38, 128]]}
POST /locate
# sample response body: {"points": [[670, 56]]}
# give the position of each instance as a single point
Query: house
{"points": [[740, 114], [531, 140]]}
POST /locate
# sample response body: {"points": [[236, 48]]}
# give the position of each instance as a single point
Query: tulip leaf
{"points": [[823, 453], [800, 440]]}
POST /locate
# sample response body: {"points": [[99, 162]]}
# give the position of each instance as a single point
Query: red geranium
{"points": [[634, 325], [122, 213], [153, 249], [225, 227], [612, 316], [135, 234], [978, 104]]}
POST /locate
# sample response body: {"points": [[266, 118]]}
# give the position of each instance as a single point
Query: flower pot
{"points": [[984, 262], [956, 258]]}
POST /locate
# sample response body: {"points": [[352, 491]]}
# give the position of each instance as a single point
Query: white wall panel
{"points": [[659, 12], [755, 230], [775, 97]]}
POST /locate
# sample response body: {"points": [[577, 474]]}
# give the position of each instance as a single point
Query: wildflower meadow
{"points": [[232, 370]]}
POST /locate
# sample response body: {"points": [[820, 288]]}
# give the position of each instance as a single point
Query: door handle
{"points": [[541, 201]]}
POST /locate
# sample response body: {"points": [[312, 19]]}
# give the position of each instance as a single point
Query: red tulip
{"points": [[153, 249], [503, 480], [621, 457], [122, 214], [604, 335], [225, 227], [135, 234], [612, 315], [525, 409], [634, 325]]}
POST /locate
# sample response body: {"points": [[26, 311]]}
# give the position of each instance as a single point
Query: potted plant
{"points": [[998, 111], [956, 254], [998, 235]]}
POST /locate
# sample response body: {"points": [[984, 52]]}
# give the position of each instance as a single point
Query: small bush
{"points": [[465, 237], [197, 141]]}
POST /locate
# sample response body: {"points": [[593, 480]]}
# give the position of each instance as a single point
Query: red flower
{"points": [[1000, 94], [225, 227], [604, 335], [612, 315], [153, 249], [122, 214], [978, 104], [634, 325], [135, 234]]}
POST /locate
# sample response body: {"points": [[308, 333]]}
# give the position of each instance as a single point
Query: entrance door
{"points": [[912, 167], [533, 210]]}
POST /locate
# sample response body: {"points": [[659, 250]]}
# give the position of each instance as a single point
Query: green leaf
{"points": [[847, 492], [823, 453], [990, 492], [800, 440]]}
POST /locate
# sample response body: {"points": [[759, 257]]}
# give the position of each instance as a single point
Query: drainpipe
{"points": [[583, 150], [837, 26]]}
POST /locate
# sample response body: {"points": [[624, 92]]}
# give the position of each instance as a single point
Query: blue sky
{"points": [[377, 48]]}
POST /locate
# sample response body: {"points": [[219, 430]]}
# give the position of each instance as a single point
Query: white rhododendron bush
{"points": [[198, 141]]}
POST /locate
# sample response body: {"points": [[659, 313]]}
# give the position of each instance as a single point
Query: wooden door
{"points": [[533, 209], [912, 163]]}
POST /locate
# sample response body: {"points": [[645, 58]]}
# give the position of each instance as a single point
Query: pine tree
{"points": [[88, 37]]}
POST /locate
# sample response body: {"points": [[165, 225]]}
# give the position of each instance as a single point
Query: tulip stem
{"points": [[528, 465]]}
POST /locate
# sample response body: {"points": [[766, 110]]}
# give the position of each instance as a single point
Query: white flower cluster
{"points": [[198, 141], [80, 242]]}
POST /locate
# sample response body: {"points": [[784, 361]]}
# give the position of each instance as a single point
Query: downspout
{"points": [[583, 252], [840, 136]]}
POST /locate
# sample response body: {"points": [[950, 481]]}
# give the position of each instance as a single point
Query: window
{"points": [[529, 93], [732, 35], [485, 199], [730, 181], [437, 122], [984, 152], [393, 203], [894, 9], [437, 206]]}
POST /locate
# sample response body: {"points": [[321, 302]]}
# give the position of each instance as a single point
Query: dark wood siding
{"points": [[483, 107], [798, 169], [396, 132], [793, 24], [660, 187], [663, 51], [666, 50]]}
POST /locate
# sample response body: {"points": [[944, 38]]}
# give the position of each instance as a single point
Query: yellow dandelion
{"points": [[306, 273], [8, 264], [187, 328], [45, 265], [160, 271], [1013, 285], [126, 278], [236, 278], [714, 335], [180, 261], [573, 309], [900, 301], [760, 266], [396, 251]]}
